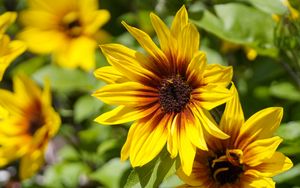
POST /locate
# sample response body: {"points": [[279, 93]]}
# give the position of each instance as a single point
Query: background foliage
{"points": [[85, 154]]}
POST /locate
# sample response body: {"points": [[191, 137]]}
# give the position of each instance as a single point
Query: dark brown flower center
{"points": [[35, 117], [226, 168], [71, 25], [174, 94]]}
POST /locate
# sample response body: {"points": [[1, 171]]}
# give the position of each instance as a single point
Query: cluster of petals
{"points": [[27, 123], [167, 92], [9, 49], [68, 29]]}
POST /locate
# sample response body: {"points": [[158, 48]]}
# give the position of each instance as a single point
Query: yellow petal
{"points": [[180, 21], [260, 125], [53, 6], [26, 89], [196, 68], [38, 18], [218, 75], [163, 33], [208, 122], [260, 150], [110, 75], [10, 102], [125, 152], [146, 42], [277, 164], [31, 163], [12, 50], [123, 114], [233, 116], [8, 154], [95, 20], [6, 20], [79, 52], [149, 139], [186, 149], [40, 41], [172, 145], [194, 129], [198, 177], [188, 42], [128, 93], [253, 182], [130, 63], [211, 96]]}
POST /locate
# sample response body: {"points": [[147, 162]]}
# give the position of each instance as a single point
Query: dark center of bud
{"points": [[174, 94], [227, 169], [36, 118], [71, 25]]}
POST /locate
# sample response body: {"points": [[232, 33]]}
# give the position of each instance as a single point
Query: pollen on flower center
{"points": [[174, 94], [226, 168]]}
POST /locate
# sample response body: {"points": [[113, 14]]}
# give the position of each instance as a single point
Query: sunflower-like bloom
{"points": [[27, 123], [9, 50], [67, 29], [166, 92], [248, 158]]}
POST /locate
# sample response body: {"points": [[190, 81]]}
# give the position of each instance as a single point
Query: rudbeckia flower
{"points": [[9, 50], [27, 123], [247, 159], [167, 92], [68, 29]]}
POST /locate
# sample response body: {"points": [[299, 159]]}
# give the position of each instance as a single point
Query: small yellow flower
{"points": [[247, 159], [228, 47], [9, 50], [167, 92], [293, 13], [68, 29], [27, 123]]}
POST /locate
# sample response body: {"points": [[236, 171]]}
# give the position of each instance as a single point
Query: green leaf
{"points": [[30, 66], [95, 133], [66, 80], [111, 173], [233, 23], [287, 176], [172, 181], [66, 174], [289, 131], [153, 173], [285, 90], [268, 6], [68, 153], [86, 107]]}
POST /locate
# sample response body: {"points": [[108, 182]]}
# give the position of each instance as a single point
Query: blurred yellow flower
{"points": [[27, 123], [247, 159], [293, 13], [167, 92], [9, 50], [228, 47], [68, 29]]}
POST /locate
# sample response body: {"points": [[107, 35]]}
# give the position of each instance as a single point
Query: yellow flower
{"points": [[293, 13], [27, 123], [228, 47], [167, 92], [68, 29], [9, 50], [248, 158]]}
